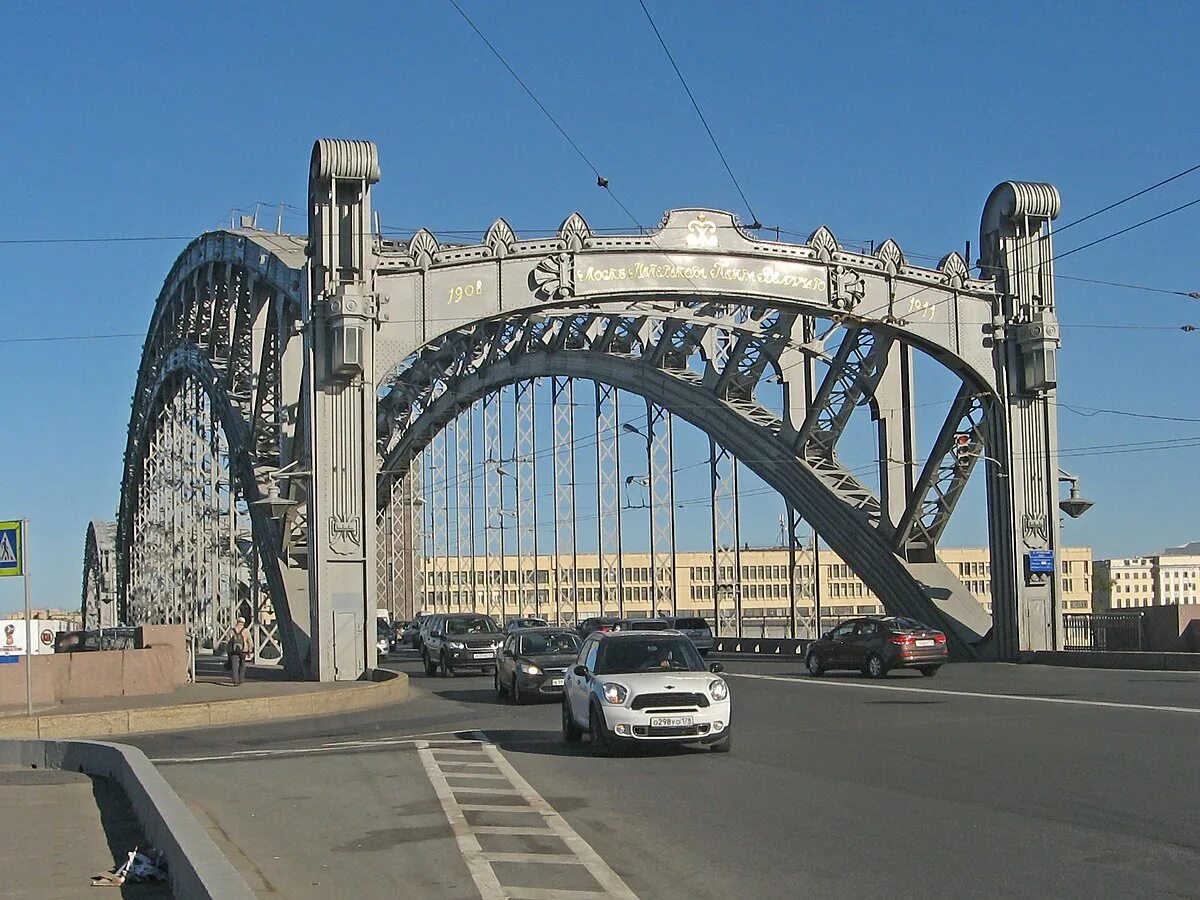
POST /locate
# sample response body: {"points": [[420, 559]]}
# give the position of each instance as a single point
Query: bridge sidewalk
{"points": [[71, 826], [211, 701]]}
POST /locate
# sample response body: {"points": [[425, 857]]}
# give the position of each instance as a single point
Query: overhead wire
{"points": [[755, 224]]}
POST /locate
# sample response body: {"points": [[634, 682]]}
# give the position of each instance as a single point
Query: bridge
{"points": [[331, 423]]}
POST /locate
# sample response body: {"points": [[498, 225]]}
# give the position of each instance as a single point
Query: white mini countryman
{"points": [[631, 688]]}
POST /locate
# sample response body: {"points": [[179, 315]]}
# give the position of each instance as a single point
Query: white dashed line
{"points": [[480, 863], [1104, 704]]}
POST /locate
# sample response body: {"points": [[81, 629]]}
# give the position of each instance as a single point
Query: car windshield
{"points": [[474, 625], [526, 623], [648, 655], [543, 643], [645, 625], [902, 623], [699, 624]]}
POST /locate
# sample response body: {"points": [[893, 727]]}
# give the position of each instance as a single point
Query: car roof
{"points": [[553, 629], [631, 635]]}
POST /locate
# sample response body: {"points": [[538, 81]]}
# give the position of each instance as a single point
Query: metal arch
{"points": [[189, 363], [844, 529], [202, 331], [99, 597]]}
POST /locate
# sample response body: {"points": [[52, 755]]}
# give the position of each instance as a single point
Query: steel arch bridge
{"points": [[326, 424]]}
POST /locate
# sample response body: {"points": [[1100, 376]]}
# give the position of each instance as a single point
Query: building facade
{"points": [[770, 597], [1168, 578]]}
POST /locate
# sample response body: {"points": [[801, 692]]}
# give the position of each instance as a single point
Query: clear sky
{"points": [[877, 119]]}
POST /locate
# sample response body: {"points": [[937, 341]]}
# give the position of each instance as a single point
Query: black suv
{"points": [[461, 641]]}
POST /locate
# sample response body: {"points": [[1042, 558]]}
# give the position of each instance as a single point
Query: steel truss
{"points": [[566, 559], [251, 379], [608, 493]]}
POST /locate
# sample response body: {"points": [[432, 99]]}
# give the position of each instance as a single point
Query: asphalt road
{"points": [[986, 781]]}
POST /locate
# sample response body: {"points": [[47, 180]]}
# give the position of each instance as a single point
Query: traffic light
{"points": [[964, 450]]}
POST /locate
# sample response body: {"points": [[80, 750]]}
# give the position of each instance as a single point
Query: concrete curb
{"points": [[1144, 660], [381, 691], [197, 868]]}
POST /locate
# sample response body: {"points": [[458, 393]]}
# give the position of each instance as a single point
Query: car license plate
{"points": [[556, 682], [484, 655], [926, 643], [669, 721]]}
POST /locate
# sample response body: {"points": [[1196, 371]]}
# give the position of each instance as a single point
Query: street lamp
{"points": [[1075, 505]]}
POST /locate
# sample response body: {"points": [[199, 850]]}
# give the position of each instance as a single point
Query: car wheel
{"points": [[600, 742], [571, 732], [515, 692], [500, 689], [725, 744], [812, 662], [928, 671], [875, 667], [430, 665], [447, 669]]}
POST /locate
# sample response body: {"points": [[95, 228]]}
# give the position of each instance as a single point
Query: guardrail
{"points": [[754, 646], [1104, 631]]}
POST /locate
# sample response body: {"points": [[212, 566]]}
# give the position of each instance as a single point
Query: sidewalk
{"points": [[66, 827], [211, 701]]}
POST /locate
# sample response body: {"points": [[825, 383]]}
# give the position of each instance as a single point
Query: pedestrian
{"points": [[241, 648]]}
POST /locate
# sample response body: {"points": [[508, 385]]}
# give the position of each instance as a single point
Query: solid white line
{"points": [[472, 765], [423, 734], [246, 755], [529, 893], [510, 829], [468, 845], [471, 789], [474, 775], [495, 807], [817, 682], [562, 859], [608, 879]]}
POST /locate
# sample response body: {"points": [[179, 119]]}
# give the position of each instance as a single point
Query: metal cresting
{"points": [[331, 424]]}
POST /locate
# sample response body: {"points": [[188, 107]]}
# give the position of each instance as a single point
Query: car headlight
{"points": [[529, 669], [719, 689], [615, 693], [457, 645]]}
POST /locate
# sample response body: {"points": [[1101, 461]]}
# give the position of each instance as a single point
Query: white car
{"points": [[631, 688]]}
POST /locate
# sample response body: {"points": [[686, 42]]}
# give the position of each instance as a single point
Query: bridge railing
{"points": [[1104, 631]]}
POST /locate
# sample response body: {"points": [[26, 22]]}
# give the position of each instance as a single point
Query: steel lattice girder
{"points": [[201, 340], [632, 312]]}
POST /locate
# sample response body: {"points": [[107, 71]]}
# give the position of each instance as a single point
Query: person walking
{"points": [[241, 648]]}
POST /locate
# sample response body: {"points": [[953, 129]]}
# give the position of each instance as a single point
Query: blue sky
{"points": [[880, 120]]}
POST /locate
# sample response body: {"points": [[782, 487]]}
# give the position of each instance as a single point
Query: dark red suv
{"points": [[877, 644]]}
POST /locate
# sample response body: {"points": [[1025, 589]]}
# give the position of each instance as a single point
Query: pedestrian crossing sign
{"points": [[11, 551]]}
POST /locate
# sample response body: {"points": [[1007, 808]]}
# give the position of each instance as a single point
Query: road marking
{"points": [[816, 682], [245, 755], [479, 862]]}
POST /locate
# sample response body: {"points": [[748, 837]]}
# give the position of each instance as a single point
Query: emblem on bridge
{"points": [[702, 233]]}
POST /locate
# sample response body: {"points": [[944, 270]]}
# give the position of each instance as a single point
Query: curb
{"points": [[1143, 660], [195, 865], [381, 691]]}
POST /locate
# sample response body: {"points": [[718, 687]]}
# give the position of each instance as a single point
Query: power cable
{"points": [[1147, 190], [601, 181], [755, 224]]}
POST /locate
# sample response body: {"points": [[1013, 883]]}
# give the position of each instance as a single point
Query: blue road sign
{"points": [[8, 658], [1041, 562], [10, 549]]}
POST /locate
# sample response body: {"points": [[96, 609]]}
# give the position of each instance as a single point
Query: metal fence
{"points": [[1104, 631]]}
